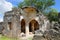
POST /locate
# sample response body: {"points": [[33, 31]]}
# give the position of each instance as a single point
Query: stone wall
{"points": [[12, 22], [52, 34], [1, 27]]}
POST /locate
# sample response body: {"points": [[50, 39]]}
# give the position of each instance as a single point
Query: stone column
{"points": [[27, 29]]}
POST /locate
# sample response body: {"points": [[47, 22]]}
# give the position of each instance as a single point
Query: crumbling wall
{"points": [[12, 23], [1, 27]]}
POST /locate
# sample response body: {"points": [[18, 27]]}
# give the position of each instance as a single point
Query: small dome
{"points": [[29, 9]]}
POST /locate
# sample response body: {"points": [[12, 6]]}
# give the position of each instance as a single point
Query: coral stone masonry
{"points": [[24, 21]]}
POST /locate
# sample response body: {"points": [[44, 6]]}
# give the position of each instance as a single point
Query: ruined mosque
{"points": [[27, 20]]}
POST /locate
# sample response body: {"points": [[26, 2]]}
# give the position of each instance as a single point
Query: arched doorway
{"points": [[23, 25], [33, 26]]}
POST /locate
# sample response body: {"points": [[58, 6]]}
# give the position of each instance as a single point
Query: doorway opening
{"points": [[10, 25], [33, 26], [23, 25]]}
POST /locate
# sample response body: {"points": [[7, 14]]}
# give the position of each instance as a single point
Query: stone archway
{"points": [[23, 25], [33, 26]]}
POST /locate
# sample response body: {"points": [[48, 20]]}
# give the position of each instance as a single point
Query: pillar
{"points": [[27, 29]]}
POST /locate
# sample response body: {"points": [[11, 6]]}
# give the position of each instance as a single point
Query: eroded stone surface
{"points": [[12, 22], [51, 34]]}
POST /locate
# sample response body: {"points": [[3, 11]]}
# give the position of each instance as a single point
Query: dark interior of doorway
{"points": [[35, 27], [23, 25]]}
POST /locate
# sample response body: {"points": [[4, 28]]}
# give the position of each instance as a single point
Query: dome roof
{"points": [[30, 9]]}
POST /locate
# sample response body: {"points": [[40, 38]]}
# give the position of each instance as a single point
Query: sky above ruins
{"points": [[7, 5]]}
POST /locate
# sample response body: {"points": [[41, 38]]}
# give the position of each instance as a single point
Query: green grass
{"points": [[6, 38], [29, 38]]}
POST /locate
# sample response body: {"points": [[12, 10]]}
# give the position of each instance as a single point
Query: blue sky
{"points": [[57, 5], [15, 2], [6, 5]]}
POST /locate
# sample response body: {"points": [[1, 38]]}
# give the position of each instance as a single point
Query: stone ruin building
{"points": [[27, 20]]}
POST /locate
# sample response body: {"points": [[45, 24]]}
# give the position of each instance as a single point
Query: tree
{"points": [[53, 15], [44, 6], [39, 4]]}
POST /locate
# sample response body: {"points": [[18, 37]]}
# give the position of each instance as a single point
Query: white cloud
{"points": [[5, 6], [1, 20]]}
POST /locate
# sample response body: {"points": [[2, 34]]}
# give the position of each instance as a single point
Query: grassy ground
{"points": [[6, 38], [29, 38]]}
